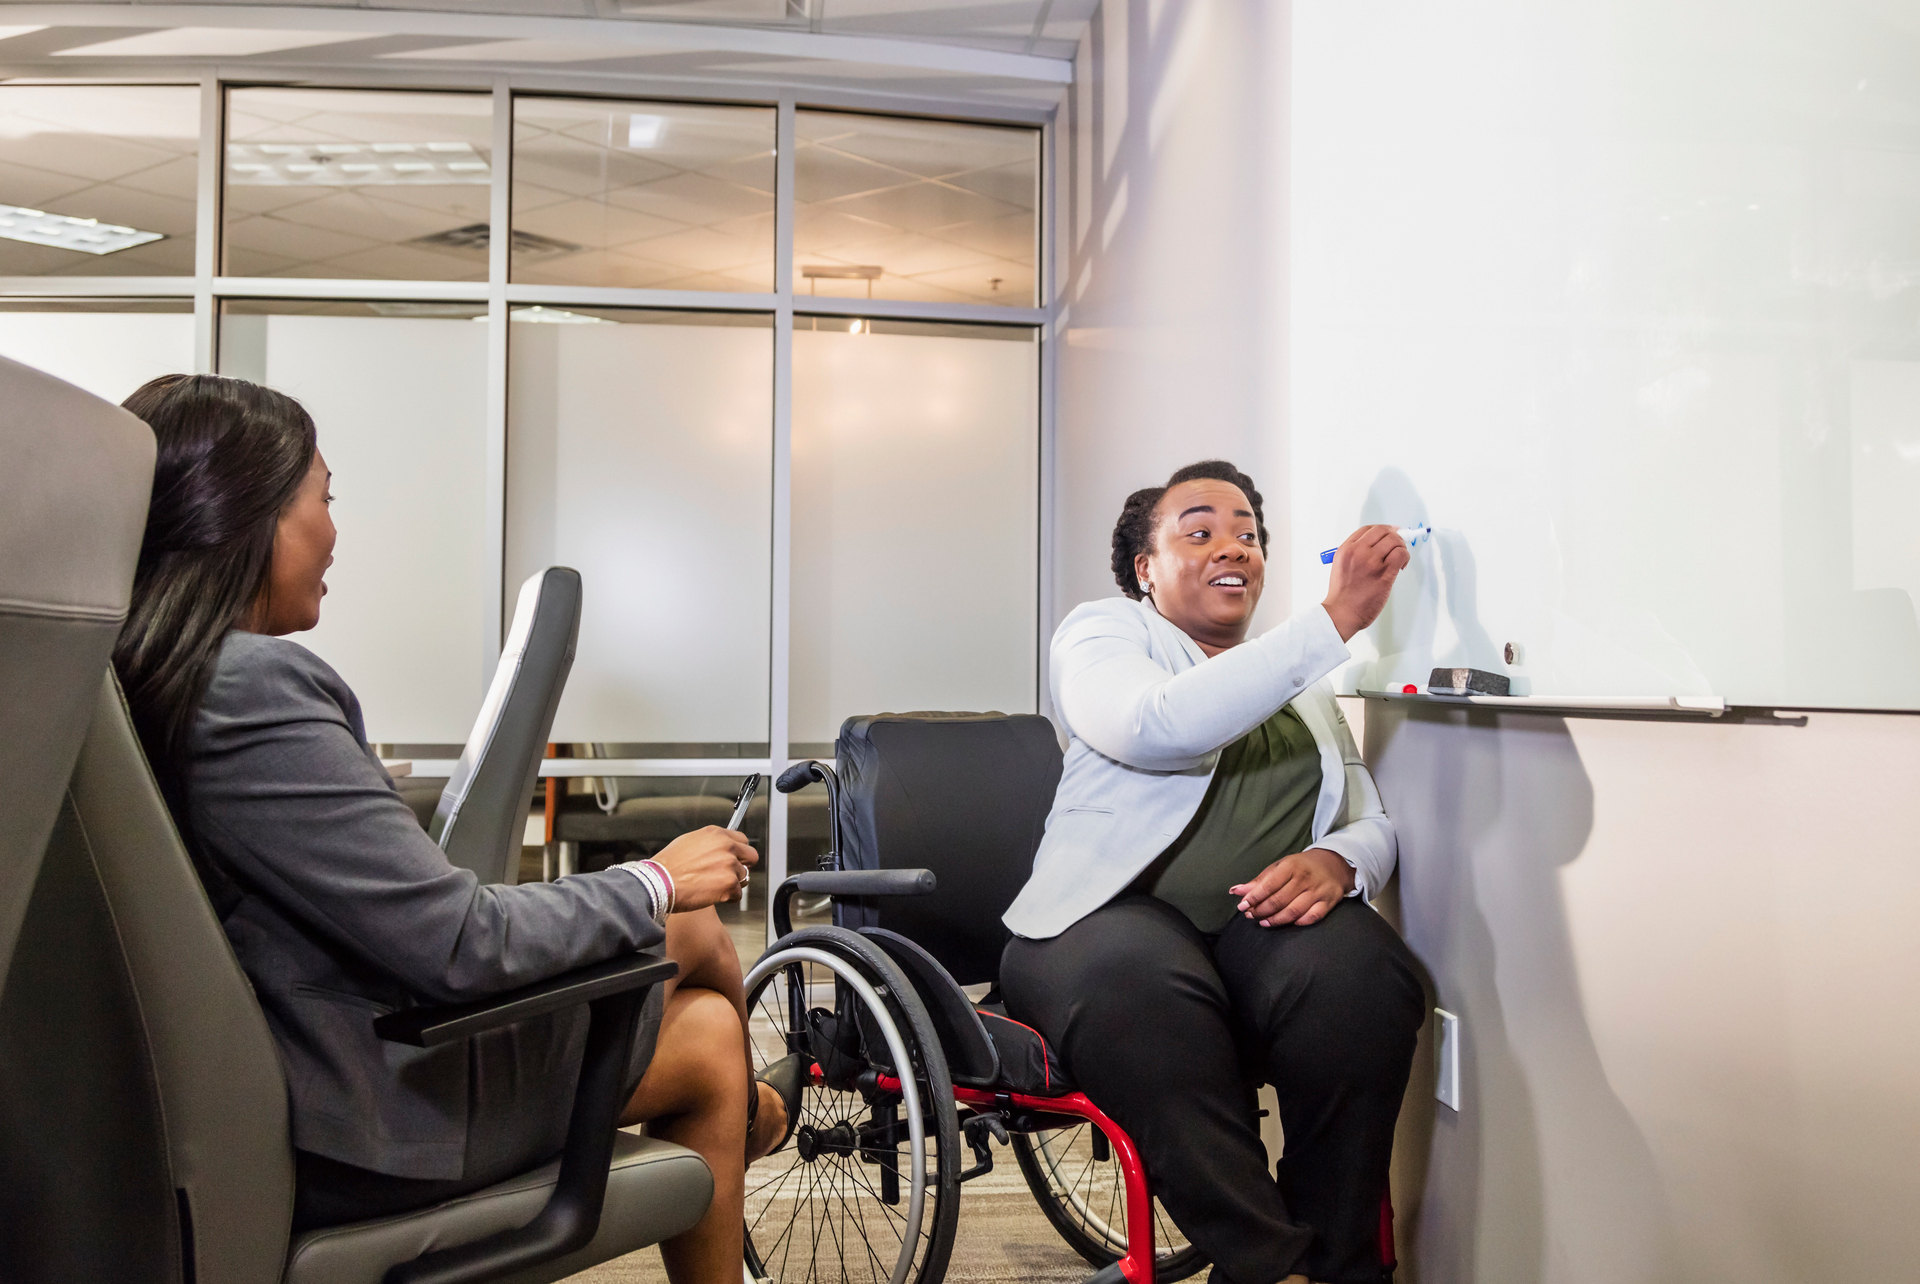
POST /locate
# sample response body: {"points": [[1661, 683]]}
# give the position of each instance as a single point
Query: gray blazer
{"points": [[341, 908], [1146, 714]]}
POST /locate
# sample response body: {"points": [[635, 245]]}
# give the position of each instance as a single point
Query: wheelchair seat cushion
{"points": [[1027, 1064]]}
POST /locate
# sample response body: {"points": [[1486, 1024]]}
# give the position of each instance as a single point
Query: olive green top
{"points": [[1259, 807]]}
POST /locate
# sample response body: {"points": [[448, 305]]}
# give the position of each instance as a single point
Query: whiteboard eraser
{"points": [[1460, 682]]}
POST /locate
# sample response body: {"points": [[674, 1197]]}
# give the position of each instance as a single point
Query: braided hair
{"points": [[1133, 533]]}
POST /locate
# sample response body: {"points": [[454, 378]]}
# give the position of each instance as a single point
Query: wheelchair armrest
{"points": [[850, 882], [615, 992], [426, 1027]]}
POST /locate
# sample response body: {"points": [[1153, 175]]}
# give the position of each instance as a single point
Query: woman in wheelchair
{"points": [[1196, 920], [339, 906]]}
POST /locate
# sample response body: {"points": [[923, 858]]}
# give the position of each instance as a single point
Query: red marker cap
{"points": [[1410, 689]]}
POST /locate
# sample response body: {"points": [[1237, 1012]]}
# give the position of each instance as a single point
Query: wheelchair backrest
{"points": [[965, 795]]}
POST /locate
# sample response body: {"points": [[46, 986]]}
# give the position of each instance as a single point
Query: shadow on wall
{"points": [[1433, 617], [1542, 1173]]}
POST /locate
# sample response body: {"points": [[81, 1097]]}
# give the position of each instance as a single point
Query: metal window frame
{"points": [[207, 289]]}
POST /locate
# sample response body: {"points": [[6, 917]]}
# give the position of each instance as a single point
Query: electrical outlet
{"points": [[1446, 1058]]}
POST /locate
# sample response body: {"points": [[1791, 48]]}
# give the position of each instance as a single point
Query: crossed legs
{"points": [[694, 1092]]}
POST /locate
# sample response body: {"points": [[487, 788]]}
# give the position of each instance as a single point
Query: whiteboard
{"points": [[1623, 298]]}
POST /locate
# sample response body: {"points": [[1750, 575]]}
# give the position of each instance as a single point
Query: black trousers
{"points": [[1169, 1031]]}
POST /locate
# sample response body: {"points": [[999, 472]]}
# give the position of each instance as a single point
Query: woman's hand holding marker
{"points": [[1364, 568]]}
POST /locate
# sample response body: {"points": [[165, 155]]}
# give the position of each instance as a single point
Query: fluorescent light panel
{"points": [[644, 131], [355, 164], [87, 235], [209, 42]]}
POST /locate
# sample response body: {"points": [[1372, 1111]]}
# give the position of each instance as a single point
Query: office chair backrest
{"points": [[965, 795], [143, 1121], [482, 814], [75, 473]]}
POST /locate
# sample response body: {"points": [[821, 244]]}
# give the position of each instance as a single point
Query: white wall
{"points": [[1685, 956], [1173, 224]]}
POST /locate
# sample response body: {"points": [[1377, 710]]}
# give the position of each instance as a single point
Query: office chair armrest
{"points": [[849, 882], [615, 992], [426, 1027]]}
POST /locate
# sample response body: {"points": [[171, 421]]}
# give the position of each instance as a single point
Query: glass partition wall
{"points": [[769, 377]]}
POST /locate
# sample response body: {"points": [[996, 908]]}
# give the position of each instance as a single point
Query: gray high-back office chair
{"points": [[143, 1113], [74, 477], [482, 814]]}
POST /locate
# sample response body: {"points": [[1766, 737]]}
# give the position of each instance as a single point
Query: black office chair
{"points": [[144, 1122], [481, 818], [73, 505]]}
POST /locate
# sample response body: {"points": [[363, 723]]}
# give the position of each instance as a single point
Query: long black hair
{"points": [[1133, 533], [231, 456]]}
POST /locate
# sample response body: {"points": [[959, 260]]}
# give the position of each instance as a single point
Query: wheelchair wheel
{"points": [[867, 1189], [1072, 1173]]}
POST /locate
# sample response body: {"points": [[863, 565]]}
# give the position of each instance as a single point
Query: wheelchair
{"points": [[934, 819]]}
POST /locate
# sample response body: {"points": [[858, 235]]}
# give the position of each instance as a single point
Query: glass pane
{"points": [[99, 180], [107, 346], [399, 394], [631, 817], [915, 521], [890, 208], [642, 195], [640, 452], [358, 183]]}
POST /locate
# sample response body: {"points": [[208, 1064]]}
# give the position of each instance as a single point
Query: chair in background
{"points": [[73, 506], [144, 1125], [481, 819]]}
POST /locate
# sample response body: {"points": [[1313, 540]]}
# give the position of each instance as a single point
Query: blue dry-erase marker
{"points": [[1414, 535]]}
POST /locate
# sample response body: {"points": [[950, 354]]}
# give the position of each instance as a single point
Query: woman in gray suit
{"points": [[339, 906], [1197, 919]]}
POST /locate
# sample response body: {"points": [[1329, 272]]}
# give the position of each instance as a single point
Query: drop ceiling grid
{"points": [[142, 173], [896, 194], [647, 222], [354, 232]]}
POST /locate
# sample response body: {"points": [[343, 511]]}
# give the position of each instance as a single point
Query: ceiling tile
{"points": [[594, 223], [1014, 184], [822, 173], [693, 198], [921, 207]]}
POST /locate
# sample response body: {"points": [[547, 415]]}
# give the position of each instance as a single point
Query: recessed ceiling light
{"points": [[354, 164], [555, 316], [87, 235], [644, 131], [208, 42]]}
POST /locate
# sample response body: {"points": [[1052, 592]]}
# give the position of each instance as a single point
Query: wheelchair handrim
{"points": [[910, 1095]]}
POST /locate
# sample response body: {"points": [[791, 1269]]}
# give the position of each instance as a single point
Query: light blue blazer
{"points": [[1146, 714]]}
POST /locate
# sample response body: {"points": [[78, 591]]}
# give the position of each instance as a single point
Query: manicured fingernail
{"points": [[1266, 922], [1244, 905]]}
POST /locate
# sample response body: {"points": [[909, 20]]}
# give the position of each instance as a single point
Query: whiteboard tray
{"points": [[1709, 706]]}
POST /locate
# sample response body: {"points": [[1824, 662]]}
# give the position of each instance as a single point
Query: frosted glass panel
{"points": [[107, 353], [915, 519], [400, 403], [640, 452], [1622, 298]]}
